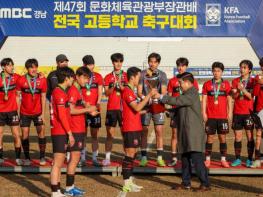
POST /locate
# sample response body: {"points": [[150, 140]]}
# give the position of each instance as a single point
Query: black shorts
{"points": [[9, 118], [93, 121], [59, 143], [219, 126], [112, 117], [79, 142], [242, 122], [132, 139], [173, 116], [25, 120]]}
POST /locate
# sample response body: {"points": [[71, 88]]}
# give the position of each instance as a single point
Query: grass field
{"points": [[106, 185]]}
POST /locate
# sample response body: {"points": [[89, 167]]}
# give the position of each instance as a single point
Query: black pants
{"points": [[199, 166]]}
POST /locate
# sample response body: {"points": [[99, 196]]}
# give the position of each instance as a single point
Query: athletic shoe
{"points": [[172, 163], [96, 163], [249, 163], [81, 163], [130, 188], [19, 162], [106, 162], [225, 164], [236, 163], [73, 192], [27, 162], [81, 190], [256, 164], [135, 185], [161, 163], [42, 161], [57, 194], [207, 163], [143, 162], [1, 161]]}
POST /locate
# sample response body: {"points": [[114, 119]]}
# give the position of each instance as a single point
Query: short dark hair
{"points": [[83, 71], [261, 62], [219, 65], [88, 59], [30, 62], [182, 61], [63, 73], [6, 61], [117, 57], [248, 63], [186, 77], [132, 72], [156, 56]]}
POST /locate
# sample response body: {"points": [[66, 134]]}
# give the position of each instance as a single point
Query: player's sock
{"points": [[174, 157], [159, 153], [108, 155], [127, 166], [223, 151], [1, 153], [18, 152], [208, 150], [25, 145], [257, 154], [250, 149], [42, 147], [238, 147], [70, 181], [58, 186], [54, 188], [94, 155], [144, 153]]}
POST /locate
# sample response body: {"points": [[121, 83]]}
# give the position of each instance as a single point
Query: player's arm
{"points": [[245, 92], [18, 94], [76, 111], [229, 107], [109, 90], [100, 90], [43, 103], [139, 106], [204, 105]]}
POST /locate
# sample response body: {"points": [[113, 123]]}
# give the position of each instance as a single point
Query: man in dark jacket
{"points": [[191, 133], [52, 81]]}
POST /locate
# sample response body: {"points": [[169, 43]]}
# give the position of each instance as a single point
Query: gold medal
{"points": [[6, 97], [118, 93], [216, 102], [241, 98], [88, 92]]}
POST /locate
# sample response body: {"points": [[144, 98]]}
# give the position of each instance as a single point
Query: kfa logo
{"points": [[213, 14], [15, 13]]}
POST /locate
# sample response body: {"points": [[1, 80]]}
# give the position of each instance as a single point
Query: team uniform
{"points": [[158, 118], [258, 93], [60, 120], [8, 104], [31, 105], [114, 114], [217, 112], [90, 96], [132, 127], [242, 107], [77, 123], [174, 88]]}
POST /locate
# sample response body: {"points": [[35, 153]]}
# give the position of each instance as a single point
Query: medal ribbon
{"points": [[88, 85], [32, 90], [244, 82], [216, 90], [6, 87]]}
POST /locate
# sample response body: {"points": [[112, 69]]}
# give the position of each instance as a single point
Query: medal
{"points": [[88, 85], [32, 89], [241, 98], [118, 91], [88, 93], [216, 102], [6, 97], [6, 86], [216, 90], [243, 85]]}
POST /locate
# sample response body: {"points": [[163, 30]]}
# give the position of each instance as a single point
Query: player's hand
{"points": [[91, 109], [98, 106], [71, 140], [234, 91], [143, 112], [240, 86], [205, 117], [154, 93], [95, 113], [41, 75]]}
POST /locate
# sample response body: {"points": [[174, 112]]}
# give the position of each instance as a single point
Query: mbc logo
{"points": [[15, 13]]}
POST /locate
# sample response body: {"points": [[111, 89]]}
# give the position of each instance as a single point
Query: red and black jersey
{"points": [[216, 111], [77, 123], [92, 96], [131, 119], [31, 105], [114, 100], [59, 112], [242, 104], [10, 104], [174, 87], [258, 93]]}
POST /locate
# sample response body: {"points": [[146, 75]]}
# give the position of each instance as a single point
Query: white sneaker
{"points": [[122, 194], [27, 162], [19, 162], [42, 161], [256, 164], [57, 194], [135, 185], [106, 162]]}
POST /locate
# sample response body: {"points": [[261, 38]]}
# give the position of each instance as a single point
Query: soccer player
{"points": [[92, 94], [216, 103], [61, 132], [32, 88], [113, 83], [131, 128], [174, 90], [77, 126], [9, 100], [258, 93], [242, 89], [52, 81], [154, 60], [191, 134]]}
